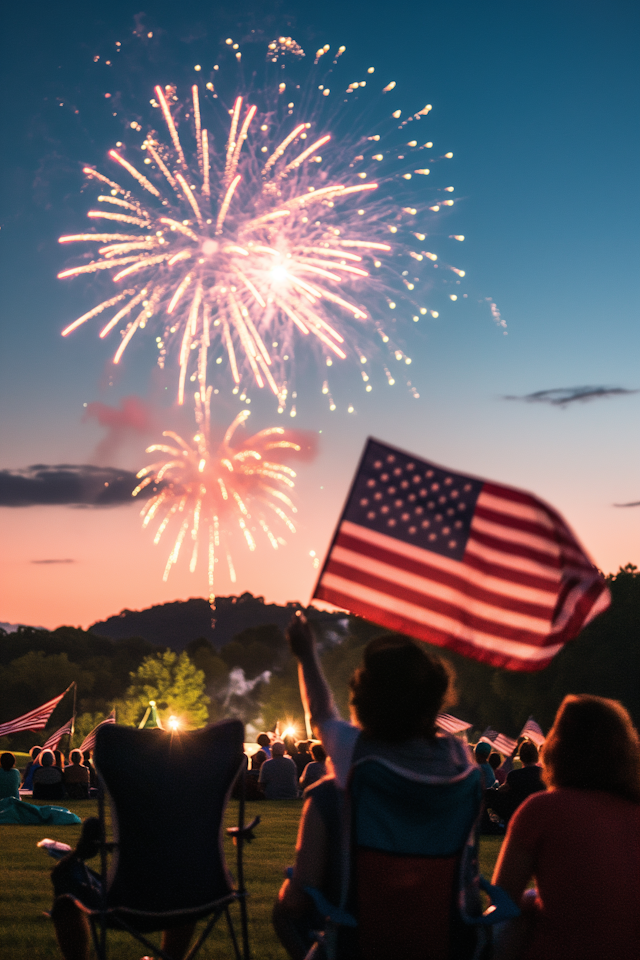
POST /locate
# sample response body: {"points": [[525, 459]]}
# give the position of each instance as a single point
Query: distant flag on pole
{"points": [[504, 745], [486, 570], [533, 731], [34, 720], [444, 721], [55, 738], [89, 741]]}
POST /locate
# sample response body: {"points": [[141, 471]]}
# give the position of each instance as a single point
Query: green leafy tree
{"points": [[176, 685]]}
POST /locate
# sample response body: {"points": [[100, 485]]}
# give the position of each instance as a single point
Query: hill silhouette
{"points": [[176, 624]]}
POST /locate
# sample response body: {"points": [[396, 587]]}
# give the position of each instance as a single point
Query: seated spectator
{"points": [[72, 878], [278, 776], [482, 753], [257, 760], [579, 841], [76, 778], [27, 778], [93, 780], [520, 783], [291, 750], [495, 762], [59, 755], [304, 757], [395, 697], [47, 778], [316, 769], [264, 740], [9, 777]]}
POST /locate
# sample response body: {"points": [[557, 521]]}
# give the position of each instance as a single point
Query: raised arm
{"points": [[315, 694]]}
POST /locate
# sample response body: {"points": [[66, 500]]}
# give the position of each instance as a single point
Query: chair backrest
{"points": [[168, 795], [408, 836]]}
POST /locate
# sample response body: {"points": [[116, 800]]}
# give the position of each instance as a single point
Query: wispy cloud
{"points": [[70, 485], [635, 503], [52, 561], [562, 396]]}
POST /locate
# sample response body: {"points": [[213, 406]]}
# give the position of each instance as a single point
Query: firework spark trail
{"points": [[212, 490], [259, 247]]}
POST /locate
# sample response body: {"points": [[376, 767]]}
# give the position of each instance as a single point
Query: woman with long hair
{"points": [[579, 841]]}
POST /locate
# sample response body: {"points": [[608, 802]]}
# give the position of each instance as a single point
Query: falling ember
{"points": [[205, 492], [239, 240]]}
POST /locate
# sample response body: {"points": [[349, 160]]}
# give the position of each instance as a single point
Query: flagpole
{"points": [[73, 717]]}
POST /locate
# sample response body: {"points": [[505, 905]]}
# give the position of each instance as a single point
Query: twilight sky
{"points": [[539, 105]]}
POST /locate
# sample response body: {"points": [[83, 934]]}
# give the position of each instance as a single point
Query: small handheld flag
{"points": [[55, 738], [89, 741], [444, 721], [486, 570], [504, 745], [533, 731]]}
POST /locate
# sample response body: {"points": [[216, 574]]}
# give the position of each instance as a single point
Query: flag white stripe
{"points": [[431, 589], [481, 551], [512, 536], [521, 511], [457, 568], [444, 624]]}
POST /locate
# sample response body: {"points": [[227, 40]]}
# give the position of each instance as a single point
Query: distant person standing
{"points": [[9, 777], [279, 776]]}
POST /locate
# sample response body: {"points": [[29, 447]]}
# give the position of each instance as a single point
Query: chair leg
{"points": [[232, 934]]}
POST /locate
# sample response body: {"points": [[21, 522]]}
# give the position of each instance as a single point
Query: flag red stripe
{"points": [[514, 549], [455, 612], [436, 575], [554, 535], [580, 612], [392, 621], [493, 569]]}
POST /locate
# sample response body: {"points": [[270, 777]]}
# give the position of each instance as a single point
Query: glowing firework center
{"points": [[246, 254]]}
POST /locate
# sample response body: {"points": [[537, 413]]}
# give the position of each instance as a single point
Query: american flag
{"points": [[451, 724], [485, 570], [89, 741], [56, 737], [504, 745], [34, 720], [533, 731]]}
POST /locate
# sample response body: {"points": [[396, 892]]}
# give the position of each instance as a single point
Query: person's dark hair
{"points": [[303, 746], [258, 759], [399, 689], [290, 746], [47, 758], [7, 760], [593, 745], [319, 753], [494, 760], [34, 752], [263, 739], [482, 751], [528, 752], [75, 756]]}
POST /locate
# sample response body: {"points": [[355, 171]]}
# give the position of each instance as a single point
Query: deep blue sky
{"points": [[539, 104]]}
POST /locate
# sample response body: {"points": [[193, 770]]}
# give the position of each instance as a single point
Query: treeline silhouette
{"points": [[248, 642]]}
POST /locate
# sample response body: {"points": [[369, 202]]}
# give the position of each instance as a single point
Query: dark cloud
{"points": [[635, 503], [132, 418], [52, 561], [69, 485], [565, 395]]}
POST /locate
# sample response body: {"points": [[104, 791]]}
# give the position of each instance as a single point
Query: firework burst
{"points": [[204, 492], [286, 235]]}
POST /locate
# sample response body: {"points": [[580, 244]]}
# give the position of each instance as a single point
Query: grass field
{"points": [[25, 888]]}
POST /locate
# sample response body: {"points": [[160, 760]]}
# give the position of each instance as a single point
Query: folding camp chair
{"points": [[411, 886], [168, 795]]}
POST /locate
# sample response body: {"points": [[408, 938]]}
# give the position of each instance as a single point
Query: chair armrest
{"points": [[244, 833]]}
